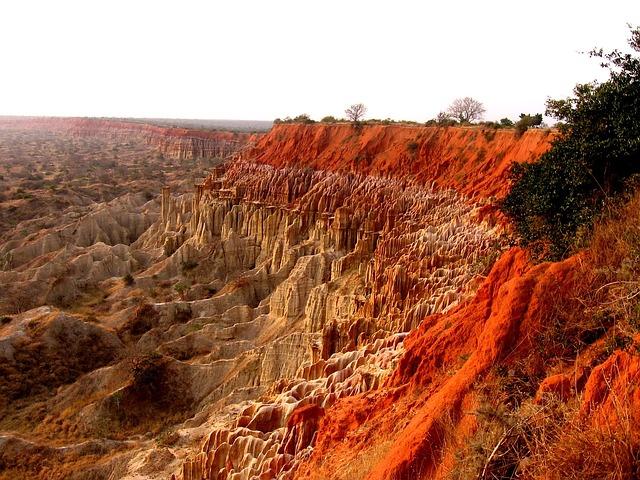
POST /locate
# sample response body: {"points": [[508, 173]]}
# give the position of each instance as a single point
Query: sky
{"points": [[258, 60]]}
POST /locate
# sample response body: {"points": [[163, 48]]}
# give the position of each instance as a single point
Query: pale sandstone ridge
{"points": [[53, 265]]}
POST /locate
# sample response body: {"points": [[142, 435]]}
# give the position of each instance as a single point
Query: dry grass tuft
{"points": [[549, 440]]}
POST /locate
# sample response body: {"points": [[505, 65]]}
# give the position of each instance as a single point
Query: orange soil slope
{"points": [[404, 430], [474, 161], [400, 427]]}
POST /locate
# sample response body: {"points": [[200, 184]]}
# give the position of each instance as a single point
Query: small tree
{"points": [[527, 121], [466, 110], [444, 120], [356, 112], [303, 118], [554, 200], [181, 289]]}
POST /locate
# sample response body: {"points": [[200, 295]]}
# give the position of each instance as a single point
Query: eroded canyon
{"points": [[318, 303]]}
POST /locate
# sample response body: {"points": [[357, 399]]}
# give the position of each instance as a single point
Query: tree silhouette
{"points": [[356, 112], [466, 110]]}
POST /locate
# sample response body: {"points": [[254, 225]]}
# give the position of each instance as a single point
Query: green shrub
{"points": [[181, 288], [526, 121], [303, 118], [444, 120], [598, 150], [506, 122]]}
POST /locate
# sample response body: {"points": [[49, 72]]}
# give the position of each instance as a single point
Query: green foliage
{"points": [[303, 118], [526, 121], [180, 288], [590, 162], [444, 120], [329, 119], [506, 122]]}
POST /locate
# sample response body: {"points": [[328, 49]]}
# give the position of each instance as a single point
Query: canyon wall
{"points": [[347, 280], [396, 244], [473, 160], [344, 295], [178, 143], [396, 373]]}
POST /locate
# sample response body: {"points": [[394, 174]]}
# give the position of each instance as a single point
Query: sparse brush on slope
{"points": [[524, 431]]}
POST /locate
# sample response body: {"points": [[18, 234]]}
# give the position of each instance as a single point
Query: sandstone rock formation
{"points": [[53, 265]]}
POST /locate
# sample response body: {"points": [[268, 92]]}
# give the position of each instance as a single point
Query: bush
{"points": [[412, 147], [302, 118], [526, 121], [147, 373], [506, 122], [181, 288], [188, 265], [444, 120], [128, 280], [553, 200], [144, 319], [329, 119]]}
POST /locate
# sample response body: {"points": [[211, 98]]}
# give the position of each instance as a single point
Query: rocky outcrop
{"points": [[268, 440], [419, 398], [54, 265]]}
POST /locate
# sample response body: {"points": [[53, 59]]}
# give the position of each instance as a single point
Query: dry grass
{"points": [[587, 319], [549, 440]]}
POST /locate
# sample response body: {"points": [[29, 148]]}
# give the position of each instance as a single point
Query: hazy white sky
{"points": [[266, 59]]}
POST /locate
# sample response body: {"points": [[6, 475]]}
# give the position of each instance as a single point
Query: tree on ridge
{"points": [[466, 110], [356, 112]]}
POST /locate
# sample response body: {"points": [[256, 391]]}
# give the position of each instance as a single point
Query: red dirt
{"points": [[423, 395], [474, 160]]}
